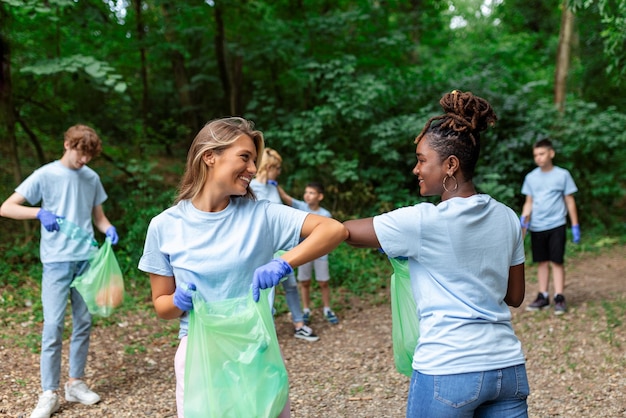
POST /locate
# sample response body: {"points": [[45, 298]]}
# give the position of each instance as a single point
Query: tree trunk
{"points": [[141, 35], [7, 115], [181, 80], [563, 57], [220, 53]]}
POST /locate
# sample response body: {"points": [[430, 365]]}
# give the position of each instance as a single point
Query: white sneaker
{"points": [[47, 405], [77, 391]]}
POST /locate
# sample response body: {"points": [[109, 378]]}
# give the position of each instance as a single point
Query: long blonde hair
{"points": [[216, 135], [271, 158]]}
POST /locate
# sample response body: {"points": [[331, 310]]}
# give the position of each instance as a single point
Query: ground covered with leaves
{"points": [[576, 362]]}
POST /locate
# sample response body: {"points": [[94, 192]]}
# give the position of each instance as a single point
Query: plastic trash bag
{"points": [[102, 284], [233, 365], [404, 319]]}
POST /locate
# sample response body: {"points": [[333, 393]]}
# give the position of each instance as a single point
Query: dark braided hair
{"points": [[458, 132]]}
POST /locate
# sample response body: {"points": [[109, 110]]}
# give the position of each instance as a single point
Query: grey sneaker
{"points": [[77, 391], [539, 303], [306, 333], [559, 304], [48, 404]]}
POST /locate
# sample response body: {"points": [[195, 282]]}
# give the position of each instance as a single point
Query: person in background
{"points": [[219, 239], [549, 194], [466, 264], [265, 187], [313, 195], [67, 189]]}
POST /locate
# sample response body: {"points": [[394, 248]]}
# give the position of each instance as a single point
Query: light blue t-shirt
{"points": [[69, 193], [548, 190], [302, 205], [218, 251], [265, 191], [459, 255]]}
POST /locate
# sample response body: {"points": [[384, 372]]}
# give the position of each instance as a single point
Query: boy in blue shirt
{"points": [[549, 198], [313, 195]]}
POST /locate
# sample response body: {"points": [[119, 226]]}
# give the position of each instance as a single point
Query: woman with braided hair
{"points": [[466, 262]]}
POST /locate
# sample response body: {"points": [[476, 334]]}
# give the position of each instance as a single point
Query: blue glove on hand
{"points": [[182, 297], [112, 234], [575, 234], [523, 222], [272, 182], [269, 275], [48, 220]]}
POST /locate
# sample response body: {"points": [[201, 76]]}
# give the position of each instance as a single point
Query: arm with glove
{"points": [[570, 202]]}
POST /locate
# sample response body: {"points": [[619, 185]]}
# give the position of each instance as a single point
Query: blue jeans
{"points": [[55, 289], [290, 285], [491, 394]]}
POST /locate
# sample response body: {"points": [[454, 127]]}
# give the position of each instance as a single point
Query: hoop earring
{"points": [[456, 183]]}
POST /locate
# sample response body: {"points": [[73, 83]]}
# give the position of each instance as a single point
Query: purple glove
{"points": [[272, 182], [524, 222], [48, 220], [182, 297], [112, 234], [269, 275], [575, 234]]}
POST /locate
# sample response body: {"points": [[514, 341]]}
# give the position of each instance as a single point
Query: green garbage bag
{"points": [[102, 284], [233, 365], [404, 319]]}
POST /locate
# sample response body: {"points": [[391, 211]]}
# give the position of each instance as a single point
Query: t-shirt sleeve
{"points": [[285, 225], [153, 260], [397, 232], [570, 185], [31, 188]]}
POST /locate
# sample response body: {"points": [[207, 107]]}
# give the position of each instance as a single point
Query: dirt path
{"points": [[576, 363]]}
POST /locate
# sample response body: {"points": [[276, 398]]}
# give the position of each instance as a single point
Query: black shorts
{"points": [[548, 245]]}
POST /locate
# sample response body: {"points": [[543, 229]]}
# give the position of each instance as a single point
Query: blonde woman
{"points": [[219, 239]]}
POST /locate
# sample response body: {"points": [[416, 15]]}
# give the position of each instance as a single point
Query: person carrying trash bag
{"points": [[217, 242], [70, 191]]}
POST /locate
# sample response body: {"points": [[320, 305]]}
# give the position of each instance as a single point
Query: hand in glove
{"points": [[575, 234], [269, 275], [48, 220], [524, 222], [182, 297], [112, 234]]}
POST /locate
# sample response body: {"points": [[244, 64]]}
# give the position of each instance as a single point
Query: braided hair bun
{"points": [[464, 113]]}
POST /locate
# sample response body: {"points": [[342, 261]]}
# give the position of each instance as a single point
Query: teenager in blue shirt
{"points": [[67, 188], [466, 263]]}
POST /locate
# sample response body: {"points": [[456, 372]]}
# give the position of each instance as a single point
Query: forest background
{"points": [[340, 88]]}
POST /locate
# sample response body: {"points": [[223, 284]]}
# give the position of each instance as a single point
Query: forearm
{"points": [[163, 288], [324, 236], [362, 233], [571, 209]]}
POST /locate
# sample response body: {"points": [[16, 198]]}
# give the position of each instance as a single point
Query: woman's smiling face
{"points": [[430, 170], [234, 167]]}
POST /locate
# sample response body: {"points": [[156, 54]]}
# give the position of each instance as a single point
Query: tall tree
{"points": [[563, 56]]}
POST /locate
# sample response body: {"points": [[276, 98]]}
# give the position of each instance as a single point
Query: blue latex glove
{"points": [[269, 275], [182, 297], [272, 182], [524, 222], [575, 234], [48, 220], [112, 234]]}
